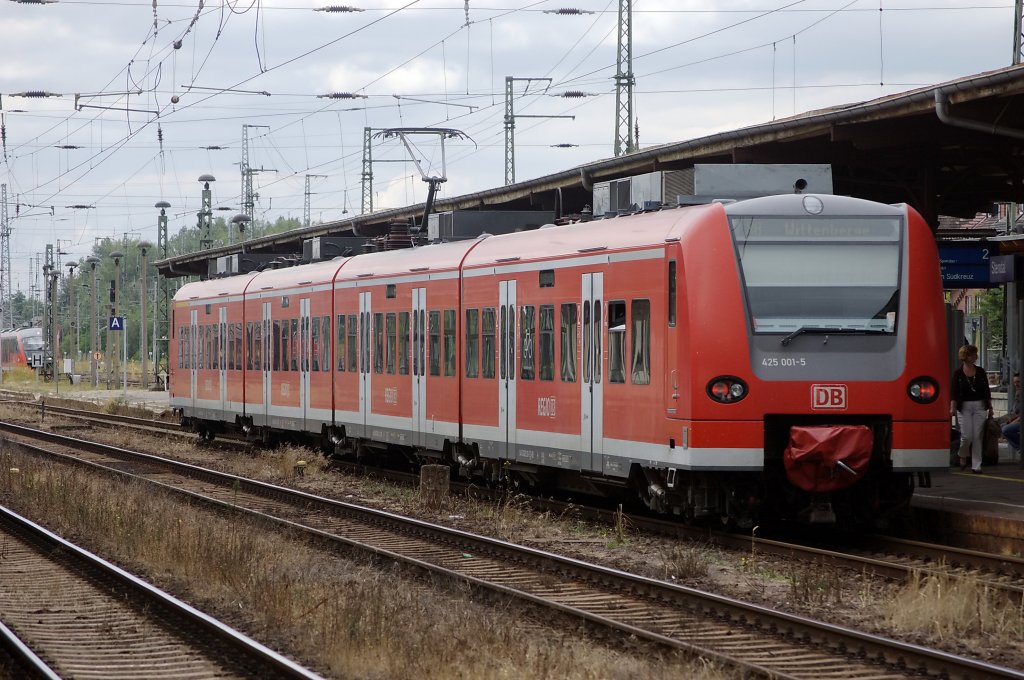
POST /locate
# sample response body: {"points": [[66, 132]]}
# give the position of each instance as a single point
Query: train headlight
{"points": [[923, 390], [727, 389]]}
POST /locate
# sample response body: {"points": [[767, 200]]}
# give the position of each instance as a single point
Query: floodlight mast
{"points": [[433, 182]]}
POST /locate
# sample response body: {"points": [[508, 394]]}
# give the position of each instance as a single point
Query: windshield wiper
{"points": [[830, 329]]}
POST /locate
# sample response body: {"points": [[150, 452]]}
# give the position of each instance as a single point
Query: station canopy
{"points": [[952, 149]]}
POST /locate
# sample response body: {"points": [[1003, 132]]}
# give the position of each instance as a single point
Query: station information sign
{"points": [[966, 265]]}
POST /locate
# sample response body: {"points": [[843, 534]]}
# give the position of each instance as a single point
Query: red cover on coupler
{"points": [[827, 458]]}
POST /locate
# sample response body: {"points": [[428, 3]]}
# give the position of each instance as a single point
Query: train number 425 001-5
{"points": [[785, 362]]}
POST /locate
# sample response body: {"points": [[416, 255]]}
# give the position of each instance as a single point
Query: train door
{"points": [[193, 351], [507, 368], [592, 391], [365, 364], [222, 357], [267, 361], [419, 367], [305, 343]]}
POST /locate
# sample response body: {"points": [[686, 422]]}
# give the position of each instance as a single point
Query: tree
{"points": [[990, 306]]}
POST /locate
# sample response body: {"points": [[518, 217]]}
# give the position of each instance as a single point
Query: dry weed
{"points": [[341, 616], [685, 562], [815, 584], [950, 608]]}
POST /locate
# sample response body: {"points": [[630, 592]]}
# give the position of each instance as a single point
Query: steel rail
{"points": [[241, 646], [21, 654], [812, 634]]}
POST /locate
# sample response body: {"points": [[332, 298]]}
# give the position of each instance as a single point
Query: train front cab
{"points": [[826, 313]]}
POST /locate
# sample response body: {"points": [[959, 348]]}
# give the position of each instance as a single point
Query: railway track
{"points": [[884, 556], [68, 613], [754, 639], [887, 557]]}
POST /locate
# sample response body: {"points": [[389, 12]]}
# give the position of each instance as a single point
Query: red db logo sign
{"points": [[828, 396]]}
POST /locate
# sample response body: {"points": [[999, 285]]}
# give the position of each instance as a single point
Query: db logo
{"points": [[828, 396]]}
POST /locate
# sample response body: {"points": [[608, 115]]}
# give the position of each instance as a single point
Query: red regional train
{"points": [[22, 348], [774, 358]]}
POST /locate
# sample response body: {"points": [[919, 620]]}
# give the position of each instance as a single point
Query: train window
{"points": [[352, 354], [403, 343], [487, 367], [392, 344], [325, 346], [641, 342], [449, 342], [547, 278], [378, 342], [504, 323], [568, 343], [181, 347], [547, 342], [238, 345], [364, 345], [200, 347], [587, 340], [423, 346], [257, 347], [511, 344], [231, 347], [341, 342], [390, 291], [295, 345], [277, 346], [204, 346], [598, 330], [248, 346], [472, 343], [526, 360], [314, 354], [435, 343], [617, 341], [671, 292]]}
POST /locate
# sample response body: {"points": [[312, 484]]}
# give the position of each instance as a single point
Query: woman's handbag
{"points": [[990, 450]]}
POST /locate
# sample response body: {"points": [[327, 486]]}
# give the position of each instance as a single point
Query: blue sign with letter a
{"points": [[116, 323]]}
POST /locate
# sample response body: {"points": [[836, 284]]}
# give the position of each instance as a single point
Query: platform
{"points": [[983, 512]]}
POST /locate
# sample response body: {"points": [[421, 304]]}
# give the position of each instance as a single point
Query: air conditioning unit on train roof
{"points": [[459, 225], [237, 263], [707, 182]]}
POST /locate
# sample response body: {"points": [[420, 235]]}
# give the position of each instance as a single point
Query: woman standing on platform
{"points": [[971, 403]]}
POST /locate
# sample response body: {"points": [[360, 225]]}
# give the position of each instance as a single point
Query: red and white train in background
{"points": [[778, 357]]}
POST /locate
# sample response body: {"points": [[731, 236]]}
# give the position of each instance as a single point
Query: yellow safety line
{"points": [[991, 476]]}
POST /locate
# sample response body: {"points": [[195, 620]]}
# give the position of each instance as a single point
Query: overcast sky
{"points": [[700, 66]]}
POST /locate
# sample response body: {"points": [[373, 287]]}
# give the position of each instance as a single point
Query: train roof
{"points": [[436, 257], [213, 288], [619, 233], [430, 258], [31, 331]]}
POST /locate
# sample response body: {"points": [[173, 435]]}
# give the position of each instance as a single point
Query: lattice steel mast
{"points": [[248, 196], [305, 203], [367, 176], [1018, 31], [6, 294], [510, 124], [624, 81]]}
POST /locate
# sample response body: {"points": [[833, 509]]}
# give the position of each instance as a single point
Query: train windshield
{"points": [[805, 274], [33, 342]]}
